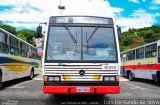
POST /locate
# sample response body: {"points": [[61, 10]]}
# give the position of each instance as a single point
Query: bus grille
{"points": [[71, 71]]}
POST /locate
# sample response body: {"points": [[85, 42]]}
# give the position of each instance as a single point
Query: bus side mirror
{"points": [[119, 32], [39, 31]]}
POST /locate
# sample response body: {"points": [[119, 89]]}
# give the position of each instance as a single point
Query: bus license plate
{"points": [[80, 89]]}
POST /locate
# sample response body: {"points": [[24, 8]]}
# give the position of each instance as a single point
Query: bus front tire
{"points": [[130, 76], [31, 74]]}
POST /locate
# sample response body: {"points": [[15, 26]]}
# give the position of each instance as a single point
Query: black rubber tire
{"points": [[158, 79], [1, 86], [158, 82], [31, 74], [130, 76]]}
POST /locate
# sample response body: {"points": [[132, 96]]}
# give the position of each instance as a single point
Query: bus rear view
{"points": [[81, 56]]}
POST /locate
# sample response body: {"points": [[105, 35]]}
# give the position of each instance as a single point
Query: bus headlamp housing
{"points": [[54, 78], [109, 78], [106, 79], [112, 79]]}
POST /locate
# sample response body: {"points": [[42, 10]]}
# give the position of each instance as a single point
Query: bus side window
{"points": [[23, 49], [14, 46], [37, 57], [4, 43], [34, 52], [131, 55], [124, 57], [29, 52], [151, 51], [140, 53]]}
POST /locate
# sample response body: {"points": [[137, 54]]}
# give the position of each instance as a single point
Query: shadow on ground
{"points": [[146, 81], [15, 82], [76, 100]]}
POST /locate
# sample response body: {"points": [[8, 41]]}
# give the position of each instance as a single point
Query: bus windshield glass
{"points": [[93, 43]]}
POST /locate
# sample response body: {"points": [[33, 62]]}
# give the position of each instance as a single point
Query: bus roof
{"points": [[81, 16], [2, 30]]}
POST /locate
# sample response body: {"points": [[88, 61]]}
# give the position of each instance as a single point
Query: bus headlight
{"points": [[56, 78], [112, 79], [109, 78], [106, 78]]}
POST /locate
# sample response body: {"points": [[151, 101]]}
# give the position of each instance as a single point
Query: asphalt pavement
{"points": [[29, 92]]}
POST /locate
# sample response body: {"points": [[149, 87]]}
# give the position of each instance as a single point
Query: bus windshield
{"points": [[82, 43]]}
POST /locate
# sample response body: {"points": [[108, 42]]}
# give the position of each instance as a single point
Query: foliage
{"points": [[9, 28], [136, 37], [28, 34], [21, 36]]}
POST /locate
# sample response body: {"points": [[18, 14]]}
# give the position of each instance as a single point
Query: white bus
{"points": [[81, 56], [142, 62], [17, 58]]}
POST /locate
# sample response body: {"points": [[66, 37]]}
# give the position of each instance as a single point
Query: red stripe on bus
{"points": [[73, 89], [142, 67]]}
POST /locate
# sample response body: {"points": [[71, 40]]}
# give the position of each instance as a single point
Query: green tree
{"points": [[9, 28], [136, 37], [127, 40], [29, 35], [156, 28], [141, 33], [124, 48], [149, 36], [21, 36]]}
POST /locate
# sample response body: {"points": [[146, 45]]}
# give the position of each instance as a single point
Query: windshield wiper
{"points": [[94, 31], [70, 34]]}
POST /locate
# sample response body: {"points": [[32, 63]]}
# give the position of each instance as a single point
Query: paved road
{"points": [[29, 92]]}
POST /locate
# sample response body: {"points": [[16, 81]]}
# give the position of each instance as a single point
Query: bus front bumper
{"points": [[73, 89]]}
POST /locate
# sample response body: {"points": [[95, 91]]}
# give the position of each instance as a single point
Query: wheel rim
{"points": [[130, 76], [31, 74]]}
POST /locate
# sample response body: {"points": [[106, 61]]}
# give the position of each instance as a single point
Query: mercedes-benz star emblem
{"points": [[81, 72]]}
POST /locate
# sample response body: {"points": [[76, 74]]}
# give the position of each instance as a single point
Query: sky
{"points": [[127, 13]]}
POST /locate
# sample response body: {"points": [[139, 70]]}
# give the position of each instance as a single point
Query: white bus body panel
{"points": [[145, 74], [9, 74]]}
